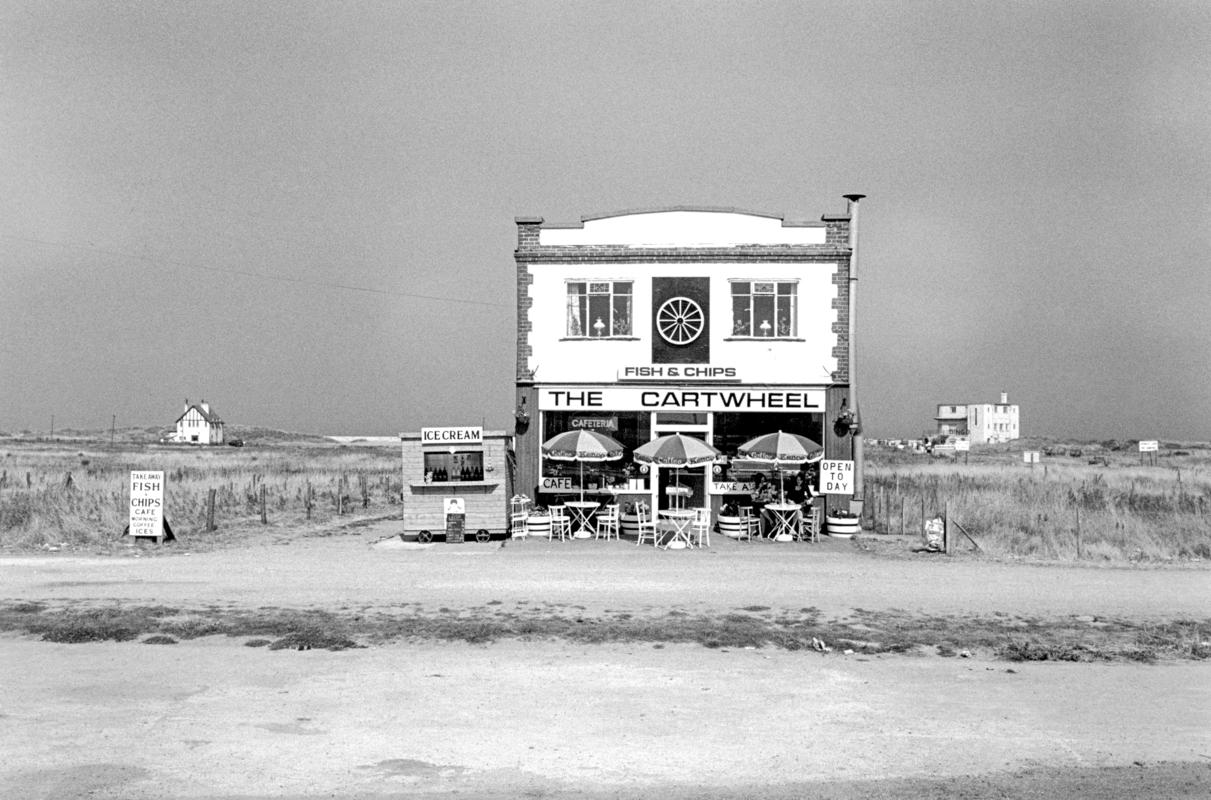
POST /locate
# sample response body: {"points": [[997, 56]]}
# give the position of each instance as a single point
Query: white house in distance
{"points": [[983, 423], [199, 424]]}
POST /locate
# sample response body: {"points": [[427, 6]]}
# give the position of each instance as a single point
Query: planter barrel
{"points": [[629, 524], [730, 526], [538, 526], [843, 527]]}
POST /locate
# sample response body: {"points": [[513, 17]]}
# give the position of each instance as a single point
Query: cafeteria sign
{"points": [[595, 423], [147, 504]]}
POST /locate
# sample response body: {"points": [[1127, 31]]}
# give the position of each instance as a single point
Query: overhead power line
{"points": [[249, 274]]}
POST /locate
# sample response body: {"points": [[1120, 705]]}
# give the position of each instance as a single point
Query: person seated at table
{"points": [[764, 493], [805, 490]]}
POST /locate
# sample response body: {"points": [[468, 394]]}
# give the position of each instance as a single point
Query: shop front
{"points": [[723, 418], [717, 324]]}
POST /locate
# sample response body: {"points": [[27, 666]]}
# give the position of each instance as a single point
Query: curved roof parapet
{"points": [[683, 226]]}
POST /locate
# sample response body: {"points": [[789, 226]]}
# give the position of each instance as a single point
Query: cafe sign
{"points": [[147, 503]]}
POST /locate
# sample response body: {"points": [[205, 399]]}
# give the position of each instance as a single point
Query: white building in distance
{"points": [[198, 424], [982, 423]]}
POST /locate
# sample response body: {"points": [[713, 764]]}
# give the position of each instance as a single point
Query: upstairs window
{"points": [[765, 309], [599, 309]]}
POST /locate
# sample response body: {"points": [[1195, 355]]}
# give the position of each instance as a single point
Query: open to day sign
{"points": [[147, 504], [836, 477]]}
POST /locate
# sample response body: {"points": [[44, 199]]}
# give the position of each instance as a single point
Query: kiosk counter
{"points": [[455, 484]]}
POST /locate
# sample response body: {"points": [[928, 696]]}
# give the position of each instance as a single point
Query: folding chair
{"points": [[809, 527], [700, 528], [560, 523], [519, 516], [646, 527], [608, 521]]}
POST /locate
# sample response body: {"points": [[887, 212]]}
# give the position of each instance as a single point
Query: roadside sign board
{"points": [[1030, 456], [837, 477], [146, 503], [1149, 446], [962, 445]]}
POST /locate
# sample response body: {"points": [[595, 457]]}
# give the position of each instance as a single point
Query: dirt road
{"points": [[210, 718], [366, 568]]}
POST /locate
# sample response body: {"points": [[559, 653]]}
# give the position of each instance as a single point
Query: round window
{"points": [[680, 320]]}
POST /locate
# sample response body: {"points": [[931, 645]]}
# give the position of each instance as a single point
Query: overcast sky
{"points": [[303, 212]]}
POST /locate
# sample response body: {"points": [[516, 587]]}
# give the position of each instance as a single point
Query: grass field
{"points": [[72, 493]]}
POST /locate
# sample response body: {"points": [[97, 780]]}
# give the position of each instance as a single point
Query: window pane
{"points": [[598, 319], [622, 315], [763, 315], [575, 314], [742, 324], [763, 288], [740, 287], [599, 288]]}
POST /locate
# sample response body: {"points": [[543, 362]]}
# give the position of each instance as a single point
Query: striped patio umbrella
{"points": [[676, 450], [582, 446], [781, 449]]}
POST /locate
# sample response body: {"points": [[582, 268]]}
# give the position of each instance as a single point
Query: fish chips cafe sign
{"points": [[147, 504], [451, 436]]}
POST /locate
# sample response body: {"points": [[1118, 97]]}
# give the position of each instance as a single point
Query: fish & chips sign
{"points": [[147, 504]]}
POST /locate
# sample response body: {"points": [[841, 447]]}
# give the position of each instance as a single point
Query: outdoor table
{"points": [[679, 522], [784, 519], [581, 513]]}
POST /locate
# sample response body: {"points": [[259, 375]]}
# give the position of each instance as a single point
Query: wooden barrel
{"points": [[843, 527]]}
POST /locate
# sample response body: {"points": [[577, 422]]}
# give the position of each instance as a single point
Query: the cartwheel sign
{"points": [[628, 398]]}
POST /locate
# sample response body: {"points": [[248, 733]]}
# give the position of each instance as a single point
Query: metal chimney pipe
{"points": [[855, 409]]}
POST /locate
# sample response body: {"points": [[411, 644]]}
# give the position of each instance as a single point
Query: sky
{"points": [[304, 212]]}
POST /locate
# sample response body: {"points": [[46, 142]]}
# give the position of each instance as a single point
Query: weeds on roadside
{"points": [[870, 633]]}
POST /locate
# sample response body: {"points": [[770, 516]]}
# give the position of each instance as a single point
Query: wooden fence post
{"points": [[210, 510], [946, 543], [307, 499], [1078, 533], [264, 516]]}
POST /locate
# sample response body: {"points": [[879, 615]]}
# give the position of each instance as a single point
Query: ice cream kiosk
{"points": [[455, 484]]}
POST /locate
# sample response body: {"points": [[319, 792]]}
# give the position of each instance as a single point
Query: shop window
{"points": [[599, 309], [680, 418], [459, 466], [631, 428], [734, 429], [765, 309]]}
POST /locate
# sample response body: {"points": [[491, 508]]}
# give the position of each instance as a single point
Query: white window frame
{"points": [[611, 328], [754, 326]]}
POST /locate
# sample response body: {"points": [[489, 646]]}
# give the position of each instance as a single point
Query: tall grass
{"points": [[1062, 511], [62, 495]]}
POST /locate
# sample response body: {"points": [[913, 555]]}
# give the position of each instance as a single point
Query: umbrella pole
{"points": [[581, 463]]}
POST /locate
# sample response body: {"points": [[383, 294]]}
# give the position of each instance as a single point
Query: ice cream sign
{"points": [[147, 504]]}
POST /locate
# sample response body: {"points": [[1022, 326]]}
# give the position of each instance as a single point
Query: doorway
{"points": [[693, 479]]}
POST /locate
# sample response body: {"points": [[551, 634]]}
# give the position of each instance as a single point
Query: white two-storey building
{"points": [[717, 323]]}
